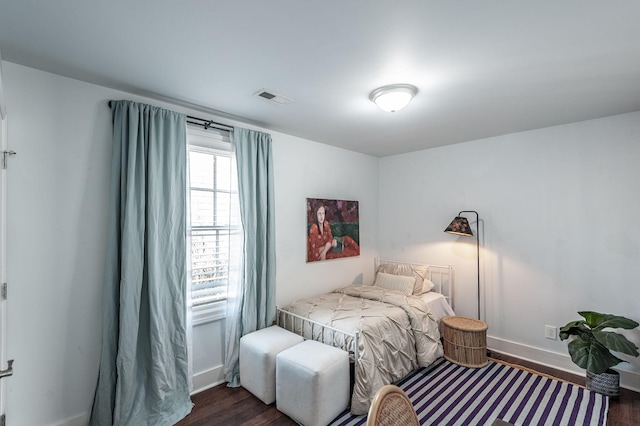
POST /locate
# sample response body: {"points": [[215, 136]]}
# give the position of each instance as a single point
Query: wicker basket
{"points": [[607, 383], [465, 341]]}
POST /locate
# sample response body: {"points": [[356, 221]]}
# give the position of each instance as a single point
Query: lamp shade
{"points": [[394, 97], [459, 226]]}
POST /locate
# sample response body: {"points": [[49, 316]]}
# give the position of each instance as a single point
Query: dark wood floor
{"points": [[226, 406], [236, 406]]}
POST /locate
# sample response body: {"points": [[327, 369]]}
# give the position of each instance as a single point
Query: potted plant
{"points": [[591, 348]]}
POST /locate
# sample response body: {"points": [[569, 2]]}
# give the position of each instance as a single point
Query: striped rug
{"points": [[448, 394]]}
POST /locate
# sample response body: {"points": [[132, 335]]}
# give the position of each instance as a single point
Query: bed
{"points": [[389, 328]]}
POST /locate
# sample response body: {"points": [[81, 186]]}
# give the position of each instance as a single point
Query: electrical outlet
{"points": [[551, 332]]}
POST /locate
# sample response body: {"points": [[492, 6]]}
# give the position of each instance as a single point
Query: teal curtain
{"points": [[251, 303], [143, 376]]}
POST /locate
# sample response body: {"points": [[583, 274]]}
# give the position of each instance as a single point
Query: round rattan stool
{"points": [[465, 341]]}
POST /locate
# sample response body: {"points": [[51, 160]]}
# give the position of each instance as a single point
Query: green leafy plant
{"points": [[592, 345]]}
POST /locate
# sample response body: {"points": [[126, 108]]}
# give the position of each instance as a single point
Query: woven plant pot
{"points": [[607, 383]]}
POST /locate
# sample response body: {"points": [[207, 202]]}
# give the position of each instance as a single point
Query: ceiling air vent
{"points": [[273, 97]]}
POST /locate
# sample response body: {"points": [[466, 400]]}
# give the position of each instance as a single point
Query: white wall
{"points": [[57, 203], [558, 232], [58, 199], [309, 170]]}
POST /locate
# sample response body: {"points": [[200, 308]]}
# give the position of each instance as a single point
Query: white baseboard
{"points": [[208, 379], [628, 379]]}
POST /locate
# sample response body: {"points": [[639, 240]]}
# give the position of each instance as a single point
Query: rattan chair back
{"points": [[392, 407]]}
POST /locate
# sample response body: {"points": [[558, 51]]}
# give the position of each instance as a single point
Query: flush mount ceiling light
{"points": [[393, 97]]}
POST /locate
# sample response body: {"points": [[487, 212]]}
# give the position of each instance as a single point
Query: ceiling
{"points": [[482, 68]]}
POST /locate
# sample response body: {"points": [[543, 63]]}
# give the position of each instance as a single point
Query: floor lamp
{"points": [[460, 226]]}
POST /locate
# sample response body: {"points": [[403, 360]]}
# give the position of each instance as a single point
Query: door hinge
{"points": [[4, 157], [3, 294], [9, 371]]}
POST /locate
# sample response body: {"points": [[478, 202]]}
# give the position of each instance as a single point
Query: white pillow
{"points": [[400, 283], [418, 272], [427, 285]]}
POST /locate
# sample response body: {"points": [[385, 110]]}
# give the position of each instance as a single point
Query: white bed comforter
{"points": [[398, 334]]}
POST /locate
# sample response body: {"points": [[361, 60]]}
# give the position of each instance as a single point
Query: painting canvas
{"points": [[333, 229]]}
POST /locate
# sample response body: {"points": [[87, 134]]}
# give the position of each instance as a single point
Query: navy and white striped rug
{"points": [[448, 394]]}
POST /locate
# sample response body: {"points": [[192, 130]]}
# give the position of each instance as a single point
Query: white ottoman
{"points": [[258, 352], [312, 382]]}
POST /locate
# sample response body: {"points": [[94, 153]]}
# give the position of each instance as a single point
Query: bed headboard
{"points": [[440, 276]]}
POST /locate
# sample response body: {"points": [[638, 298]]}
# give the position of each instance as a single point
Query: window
{"points": [[214, 212]]}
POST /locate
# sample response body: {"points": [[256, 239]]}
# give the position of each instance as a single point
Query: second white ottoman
{"points": [[312, 382], [258, 352]]}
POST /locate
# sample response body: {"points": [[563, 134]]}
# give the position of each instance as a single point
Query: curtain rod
{"points": [[206, 124]]}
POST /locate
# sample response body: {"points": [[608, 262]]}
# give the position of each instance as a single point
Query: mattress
{"points": [[438, 305]]}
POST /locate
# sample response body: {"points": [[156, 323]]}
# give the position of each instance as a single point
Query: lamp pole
{"points": [[477, 251], [460, 226]]}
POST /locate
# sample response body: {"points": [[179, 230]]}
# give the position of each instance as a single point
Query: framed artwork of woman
{"points": [[333, 229]]}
